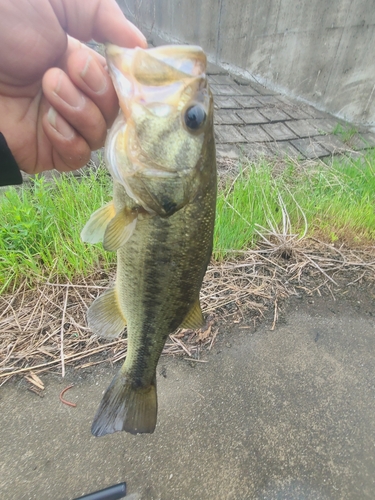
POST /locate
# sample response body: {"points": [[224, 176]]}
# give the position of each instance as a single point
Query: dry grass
{"points": [[45, 329]]}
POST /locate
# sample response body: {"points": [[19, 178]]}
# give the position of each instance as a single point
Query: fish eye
{"points": [[195, 116]]}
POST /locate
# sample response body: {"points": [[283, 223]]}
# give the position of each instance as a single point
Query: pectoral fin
{"points": [[194, 319], [120, 229], [104, 316], [94, 230]]}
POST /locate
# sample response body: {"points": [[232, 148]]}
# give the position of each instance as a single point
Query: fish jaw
{"points": [[150, 150]]}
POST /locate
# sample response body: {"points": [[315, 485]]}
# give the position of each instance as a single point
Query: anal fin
{"points": [[194, 319], [104, 316], [125, 407]]}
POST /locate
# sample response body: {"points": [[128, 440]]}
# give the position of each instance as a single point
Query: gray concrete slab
{"points": [[251, 116], [231, 151], [225, 102], [317, 51], [227, 117], [247, 90], [295, 111], [294, 128], [268, 100], [228, 133], [223, 79], [303, 128], [224, 90], [255, 150], [310, 148], [332, 144], [326, 125], [279, 131], [285, 414], [248, 102], [274, 114], [255, 133], [285, 149]]}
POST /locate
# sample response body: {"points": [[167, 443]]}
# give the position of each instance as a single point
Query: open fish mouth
{"points": [[155, 78], [158, 65]]}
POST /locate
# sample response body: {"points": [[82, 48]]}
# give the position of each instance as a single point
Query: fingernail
{"points": [[139, 33], [59, 124], [93, 76], [69, 93]]}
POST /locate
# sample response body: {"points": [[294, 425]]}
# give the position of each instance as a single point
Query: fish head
{"points": [[155, 147]]}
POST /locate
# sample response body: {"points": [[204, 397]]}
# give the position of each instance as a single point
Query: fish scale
{"points": [[162, 293], [160, 223]]}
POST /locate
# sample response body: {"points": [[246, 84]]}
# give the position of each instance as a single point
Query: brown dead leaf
{"points": [[203, 335]]}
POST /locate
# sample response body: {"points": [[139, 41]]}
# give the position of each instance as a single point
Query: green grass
{"points": [[345, 132], [242, 204], [40, 225], [40, 229], [339, 202], [335, 202]]}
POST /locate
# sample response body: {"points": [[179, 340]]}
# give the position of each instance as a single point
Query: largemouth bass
{"points": [[161, 155]]}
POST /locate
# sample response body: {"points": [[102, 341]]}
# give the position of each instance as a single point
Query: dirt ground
{"points": [[282, 414]]}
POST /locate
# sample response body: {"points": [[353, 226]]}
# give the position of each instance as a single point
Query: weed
{"points": [[345, 132], [334, 202], [40, 225], [40, 228]]}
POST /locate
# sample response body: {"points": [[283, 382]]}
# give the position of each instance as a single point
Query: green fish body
{"points": [[161, 221]]}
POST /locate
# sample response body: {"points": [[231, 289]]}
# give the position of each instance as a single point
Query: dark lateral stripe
{"points": [[159, 294], [157, 266]]}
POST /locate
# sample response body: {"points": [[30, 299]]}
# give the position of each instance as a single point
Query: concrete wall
{"points": [[322, 51]]}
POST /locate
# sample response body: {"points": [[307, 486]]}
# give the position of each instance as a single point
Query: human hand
{"points": [[56, 97]]}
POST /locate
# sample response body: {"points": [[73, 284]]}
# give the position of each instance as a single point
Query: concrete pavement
{"points": [[273, 415], [251, 120]]}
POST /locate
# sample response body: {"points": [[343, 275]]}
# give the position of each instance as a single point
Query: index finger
{"points": [[101, 20]]}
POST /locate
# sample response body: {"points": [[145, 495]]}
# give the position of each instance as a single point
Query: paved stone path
{"points": [[251, 120]]}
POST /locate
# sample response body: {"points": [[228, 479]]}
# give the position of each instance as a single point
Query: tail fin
{"points": [[126, 408]]}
